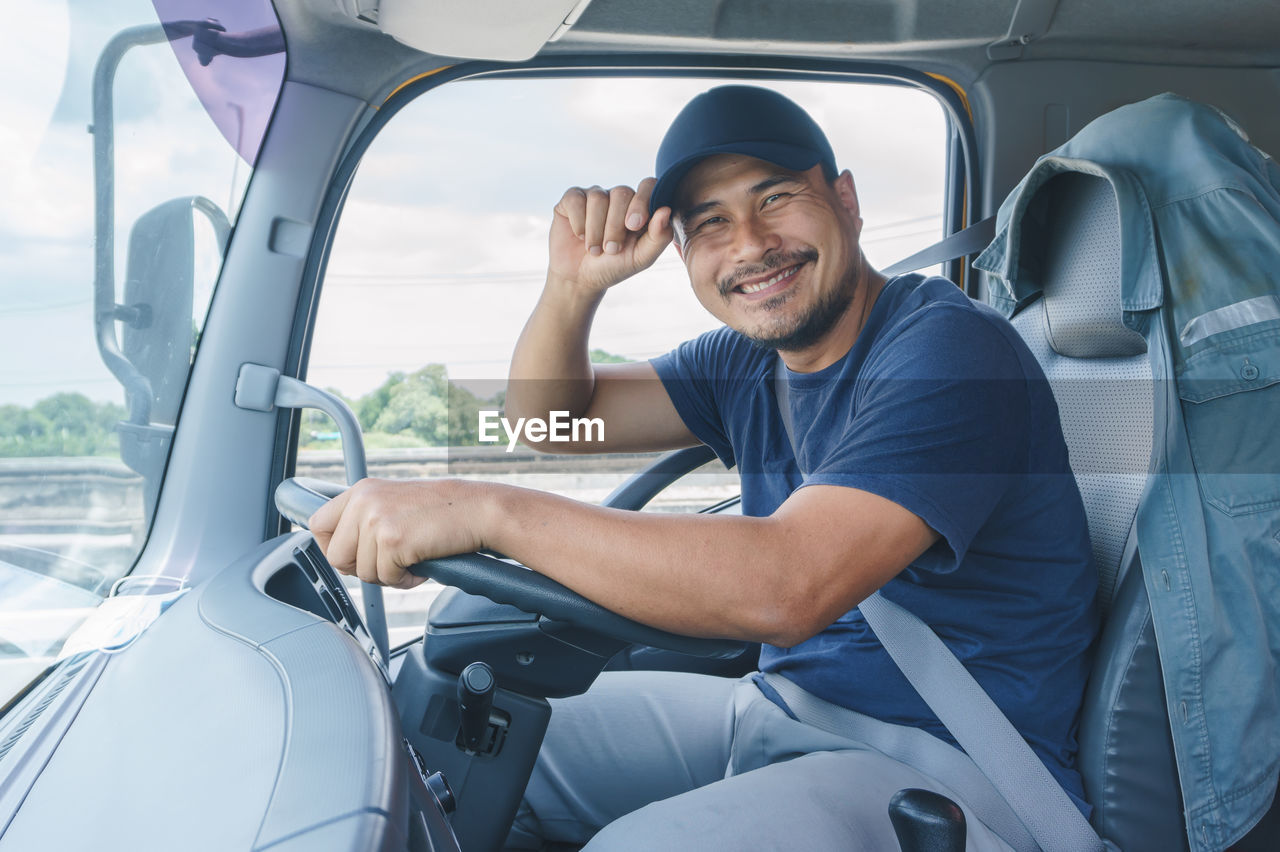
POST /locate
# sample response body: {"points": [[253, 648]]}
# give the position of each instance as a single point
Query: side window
{"points": [[125, 159], [441, 253]]}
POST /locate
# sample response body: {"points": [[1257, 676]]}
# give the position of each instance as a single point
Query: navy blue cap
{"points": [[744, 120]]}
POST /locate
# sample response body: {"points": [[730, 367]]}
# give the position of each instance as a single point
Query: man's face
{"points": [[771, 253]]}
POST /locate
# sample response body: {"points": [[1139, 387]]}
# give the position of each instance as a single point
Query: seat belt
{"points": [[961, 704], [971, 240]]}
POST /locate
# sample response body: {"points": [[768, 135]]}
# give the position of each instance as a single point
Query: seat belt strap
{"points": [[982, 730], [961, 704], [916, 748], [971, 240]]}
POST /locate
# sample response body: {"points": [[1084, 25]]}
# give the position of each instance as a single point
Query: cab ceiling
{"points": [[331, 47], [1166, 31]]}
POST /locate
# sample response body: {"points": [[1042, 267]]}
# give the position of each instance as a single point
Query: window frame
{"points": [[960, 190]]}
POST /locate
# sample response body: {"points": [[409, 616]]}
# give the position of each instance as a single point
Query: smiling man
{"points": [[924, 459]]}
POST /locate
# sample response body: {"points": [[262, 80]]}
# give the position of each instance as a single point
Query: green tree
{"points": [[422, 408], [464, 414], [599, 356], [65, 424], [15, 431], [370, 406], [418, 403]]}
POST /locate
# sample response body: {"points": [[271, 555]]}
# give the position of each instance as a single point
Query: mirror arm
{"points": [[137, 388], [217, 218], [138, 391], [210, 39]]}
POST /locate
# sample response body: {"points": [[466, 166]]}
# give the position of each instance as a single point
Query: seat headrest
{"points": [[1077, 219]]}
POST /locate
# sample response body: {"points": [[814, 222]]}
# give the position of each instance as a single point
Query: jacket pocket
{"points": [[1231, 407]]}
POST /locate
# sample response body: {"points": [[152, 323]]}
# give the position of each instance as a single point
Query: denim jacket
{"points": [[1200, 265]]}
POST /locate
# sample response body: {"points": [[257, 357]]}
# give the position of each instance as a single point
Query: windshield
{"points": [[129, 136]]}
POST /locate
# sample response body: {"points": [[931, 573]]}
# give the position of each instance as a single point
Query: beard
{"points": [[809, 328], [803, 331]]}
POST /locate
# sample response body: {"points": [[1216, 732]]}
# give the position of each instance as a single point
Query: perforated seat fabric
{"points": [[1101, 377], [1098, 368]]}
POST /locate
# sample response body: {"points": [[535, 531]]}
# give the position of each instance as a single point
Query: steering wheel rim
{"points": [[506, 583]]}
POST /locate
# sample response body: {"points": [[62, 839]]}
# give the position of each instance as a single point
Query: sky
{"points": [[441, 249], [165, 147], [440, 254]]}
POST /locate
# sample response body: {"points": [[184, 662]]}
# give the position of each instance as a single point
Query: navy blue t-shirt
{"points": [[941, 408]]}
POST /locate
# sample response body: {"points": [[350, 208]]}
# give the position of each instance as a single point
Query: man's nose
{"points": [[753, 238]]}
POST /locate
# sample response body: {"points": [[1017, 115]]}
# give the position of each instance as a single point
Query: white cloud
{"points": [[409, 286], [441, 250], [165, 147], [377, 240], [33, 62]]}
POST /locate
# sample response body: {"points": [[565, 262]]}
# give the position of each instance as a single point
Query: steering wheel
{"points": [[508, 583]]}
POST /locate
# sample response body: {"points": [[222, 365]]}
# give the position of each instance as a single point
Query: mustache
{"points": [[771, 263]]}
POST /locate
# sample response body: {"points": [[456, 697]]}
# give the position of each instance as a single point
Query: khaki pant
{"points": [[666, 760]]}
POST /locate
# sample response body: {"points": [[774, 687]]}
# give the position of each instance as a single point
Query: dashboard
{"points": [[255, 714]]}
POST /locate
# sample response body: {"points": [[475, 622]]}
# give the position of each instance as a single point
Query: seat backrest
{"points": [[1101, 376]]}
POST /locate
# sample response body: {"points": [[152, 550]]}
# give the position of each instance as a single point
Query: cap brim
{"points": [[792, 157]]}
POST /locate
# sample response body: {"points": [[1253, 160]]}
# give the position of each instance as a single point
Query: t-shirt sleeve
{"points": [[689, 373], [940, 427]]}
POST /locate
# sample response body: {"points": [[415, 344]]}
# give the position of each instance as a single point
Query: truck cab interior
{"points": [[218, 305]]}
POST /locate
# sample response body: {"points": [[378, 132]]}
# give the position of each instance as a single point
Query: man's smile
{"points": [[761, 281], [765, 287]]}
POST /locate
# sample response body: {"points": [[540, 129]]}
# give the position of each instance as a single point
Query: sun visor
{"points": [[504, 30]]}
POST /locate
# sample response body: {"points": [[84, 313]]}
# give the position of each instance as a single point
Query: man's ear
{"points": [[846, 191], [848, 195]]}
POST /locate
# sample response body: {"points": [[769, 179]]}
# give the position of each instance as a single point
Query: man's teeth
{"points": [[781, 276]]}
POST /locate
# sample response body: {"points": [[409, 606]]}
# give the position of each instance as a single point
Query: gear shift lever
{"points": [[476, 686], [927, 822]]}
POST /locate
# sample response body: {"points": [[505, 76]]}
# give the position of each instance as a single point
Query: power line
{"points": [[900, 236], [520, 276], [885, 225], [56, 383], [60, 306]]}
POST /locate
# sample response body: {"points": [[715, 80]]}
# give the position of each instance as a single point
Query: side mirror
{"points": [[158, 329], [153, 360]]}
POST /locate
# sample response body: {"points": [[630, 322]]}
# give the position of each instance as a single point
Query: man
{"points": [[933, 468]]}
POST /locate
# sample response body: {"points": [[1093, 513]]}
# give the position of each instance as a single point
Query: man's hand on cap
{"points": [[599, 237]]}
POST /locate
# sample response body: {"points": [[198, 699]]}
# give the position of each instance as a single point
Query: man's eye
{"points": [[703, 223], [774, 197]]}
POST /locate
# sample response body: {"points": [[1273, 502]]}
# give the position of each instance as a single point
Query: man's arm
{"points": [[598, 239], [780, 579]]}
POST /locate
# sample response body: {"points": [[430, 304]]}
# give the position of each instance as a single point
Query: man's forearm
{"points": [[725, 577], [590, 249], [550, 368], [779, 579]]}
